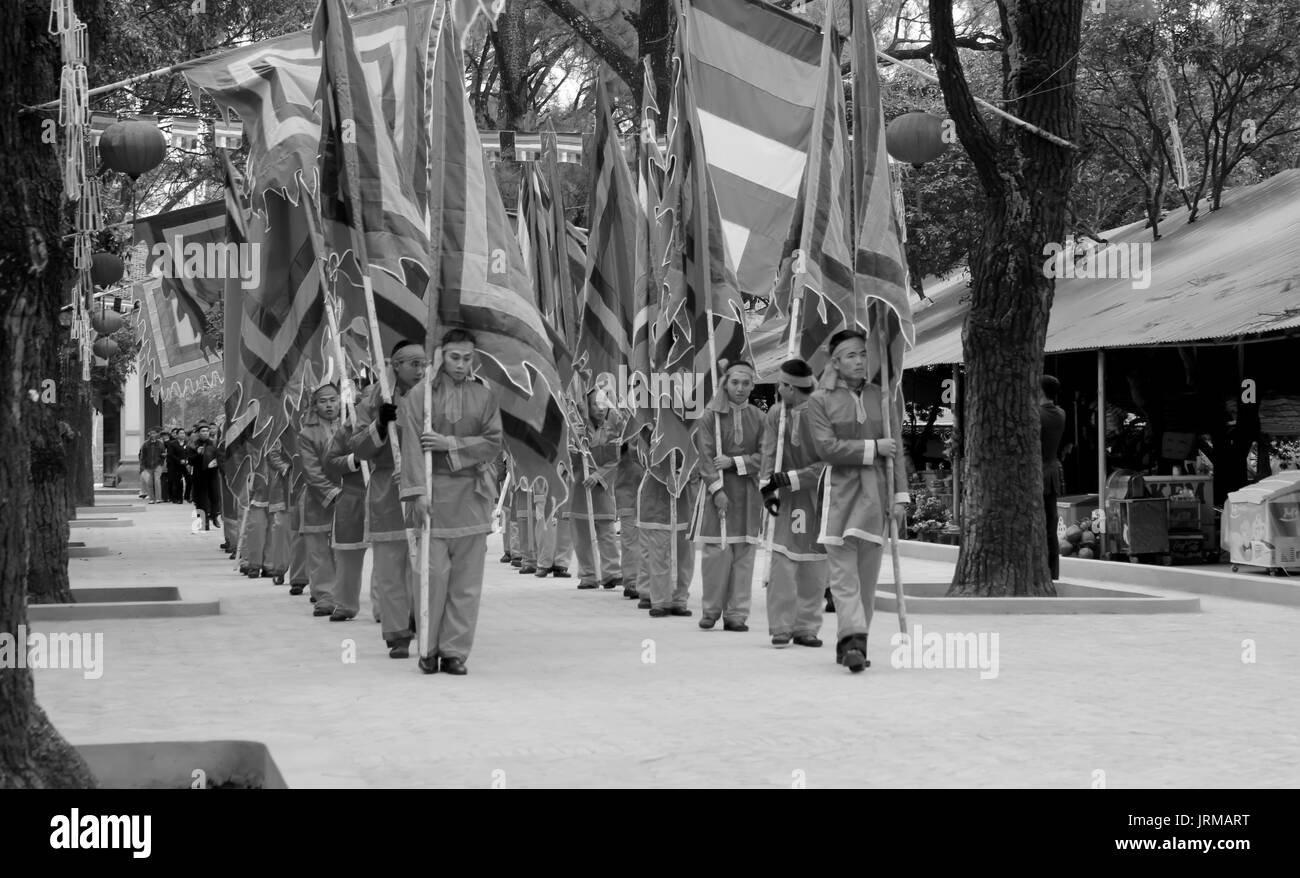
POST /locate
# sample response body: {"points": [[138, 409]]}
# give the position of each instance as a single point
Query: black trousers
{"points": [[1053, 544], [174, 482]]}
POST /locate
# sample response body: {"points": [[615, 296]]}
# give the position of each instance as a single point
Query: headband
{"points": [[805, 381], [835, 350], [727, 371]]}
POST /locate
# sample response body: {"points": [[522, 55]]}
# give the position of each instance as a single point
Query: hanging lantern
{"points": [[132, 147], [106, 269], [105, 347], [105, 321], [915, 138]]}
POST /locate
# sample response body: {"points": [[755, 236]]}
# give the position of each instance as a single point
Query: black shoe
{"points": [[659, 612], [644, 604], [454, 666], [505, 559], [232, 556], [851, 652], [780, 640], [707, 622], [429, 665], [253, 572], [807, 640], [629, 592], [400, 651], [313, 600], [342, 616], [680, 611], [279, 579], [527, 568], [295, 589], [541, 572], [734, 626], [587, 585], [516, 562], [614, 582], [560, 572], [323, 610], [225, 547]]}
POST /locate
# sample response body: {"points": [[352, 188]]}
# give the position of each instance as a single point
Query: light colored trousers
{"points": [[266, 540], [796, 596], [555, 544], [852, 571], [320, 566], [664, 592], [394, 590], [606, 541], [455, 589], [347, 579], [151, 482], [633, 551], [727, 574]]}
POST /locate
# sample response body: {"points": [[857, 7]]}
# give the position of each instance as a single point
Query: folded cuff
{"points": [[794, 480], [868, 452], [740, 465], [715, 486]]}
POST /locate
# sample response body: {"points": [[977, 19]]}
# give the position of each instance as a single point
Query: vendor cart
{"points": [[1192, 537], [1261, 525], [1137, 526]]}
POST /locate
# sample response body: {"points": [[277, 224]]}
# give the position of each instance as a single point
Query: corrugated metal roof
{"points": [[1234, 272]]}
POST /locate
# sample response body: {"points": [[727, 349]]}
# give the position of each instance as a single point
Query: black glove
{"points": [[770, 501], [387, 414], [779, 480]]}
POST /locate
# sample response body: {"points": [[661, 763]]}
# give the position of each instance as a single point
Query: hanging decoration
{"points": [[915, 138], [106, 269], [132, 147]]}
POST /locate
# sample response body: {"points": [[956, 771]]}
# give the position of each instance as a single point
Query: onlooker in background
{"points": [[1052, 421], [153, 457], [187, 477], [206, 489], [175, 481]]}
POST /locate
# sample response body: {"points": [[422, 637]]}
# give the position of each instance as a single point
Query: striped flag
{"points": [[483, 284], [364, 182], [187, 253], [272, 87], [880, 267], [237, 438], [174, 360], [754, 70], [555, 283], [604, 341], [817, 257]]}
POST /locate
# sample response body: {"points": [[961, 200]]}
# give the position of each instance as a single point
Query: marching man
{"points": [[320, 493], [593, 480], [731, 495], [465, 439], [847, 431], [798, 563], [393, 585]]}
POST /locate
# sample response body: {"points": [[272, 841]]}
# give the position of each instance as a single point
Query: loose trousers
{"points": [[455, 589], [297, 551], [266, 540], [555, 545], [394, 589], [664, 591], [852, 572], [606, 541], [320, 567], [633, 552], [727, 574], [795, 596], [151, 482], [347, 579]]}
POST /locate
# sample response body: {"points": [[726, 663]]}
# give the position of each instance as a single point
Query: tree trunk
{"points": [[654, 30], [33, 266], [1026, 179], [510, 39]]}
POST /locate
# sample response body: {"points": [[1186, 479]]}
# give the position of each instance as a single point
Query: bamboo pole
{"points": [[887, 417], [769, 537]]}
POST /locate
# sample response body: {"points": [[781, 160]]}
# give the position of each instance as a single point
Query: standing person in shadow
{"points": [[206, 488], [1052, 421]]}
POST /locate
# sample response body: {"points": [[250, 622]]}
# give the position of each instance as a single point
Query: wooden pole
{"points": [[887, 417], [769, 536]]}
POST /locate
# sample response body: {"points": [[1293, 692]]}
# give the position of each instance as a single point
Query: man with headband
{"points": [[391, 577], [321, 491], [798, 577], [846, 426], [728, 514], [465, 438]]}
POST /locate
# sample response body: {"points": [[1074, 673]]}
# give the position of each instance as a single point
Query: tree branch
{"points": [[975, 136], [605, 48]]}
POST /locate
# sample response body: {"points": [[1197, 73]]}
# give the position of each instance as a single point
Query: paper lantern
{"points": [[915, 138], [106, 321], [105, 347], [132, 147], [106, 269]]}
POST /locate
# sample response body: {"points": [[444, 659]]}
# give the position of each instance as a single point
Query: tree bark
{"points": [[33, 266], [1026, 179], [510, 40]]}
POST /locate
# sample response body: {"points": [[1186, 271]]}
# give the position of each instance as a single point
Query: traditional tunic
{"points": [[855, 496], [316, 505], [798, 579], [281, 455], [742, 436], [462, 502], [349, 521], [603, 464]]}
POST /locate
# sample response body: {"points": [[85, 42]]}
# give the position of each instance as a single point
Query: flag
{"points": [[366, 182], [755, 74], [550, 270], [175, 360], [187, 253], [483, 284], [817, 259], [604, 341], [272, 87], [880, 267]]}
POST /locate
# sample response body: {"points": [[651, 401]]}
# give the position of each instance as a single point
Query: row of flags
{"points": [[385, 197]]}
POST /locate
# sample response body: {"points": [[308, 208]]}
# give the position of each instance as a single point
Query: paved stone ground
{"points": [[558, 693]]}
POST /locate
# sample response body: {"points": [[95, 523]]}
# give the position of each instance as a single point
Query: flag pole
{"points": [[769, 537], [886, 417]]}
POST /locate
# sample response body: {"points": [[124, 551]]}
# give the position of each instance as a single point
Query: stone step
{"points": [[102, 522]]}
